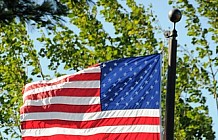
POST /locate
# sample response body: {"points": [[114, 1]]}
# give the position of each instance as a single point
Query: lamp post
{"points": [[174, 16]]}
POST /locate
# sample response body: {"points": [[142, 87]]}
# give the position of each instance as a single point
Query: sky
{"points": [[161, 9]]}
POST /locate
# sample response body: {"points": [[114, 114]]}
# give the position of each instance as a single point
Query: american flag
{"points": [[114, 100]]}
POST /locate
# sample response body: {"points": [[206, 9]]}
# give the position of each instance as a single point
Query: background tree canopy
{"points": [[86, 40]]}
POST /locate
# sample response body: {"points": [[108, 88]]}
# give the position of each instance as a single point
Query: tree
{"points": [[16, 53], [132, 33], [44, 12], [201, 58]]}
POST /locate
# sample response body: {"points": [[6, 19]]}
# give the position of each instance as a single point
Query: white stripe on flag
{"points": [[63, 100], [88, 70], [91, 131], [90, 116], [73, 84]]}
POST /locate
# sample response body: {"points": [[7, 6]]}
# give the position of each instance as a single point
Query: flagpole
{"points": [[174, 16]]}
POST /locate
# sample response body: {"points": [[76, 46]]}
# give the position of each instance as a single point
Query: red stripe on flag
{"points": [[91, 123], [77, 92], [77, 77], [61, 108], [103, 136]]}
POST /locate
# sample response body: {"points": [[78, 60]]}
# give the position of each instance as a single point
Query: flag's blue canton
{"points": [[131, 83]]}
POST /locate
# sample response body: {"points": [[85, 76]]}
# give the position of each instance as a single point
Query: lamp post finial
{"points": [[175, 15]]}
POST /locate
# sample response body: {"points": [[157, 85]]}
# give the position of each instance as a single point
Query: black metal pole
{"points": [[175, 16]]}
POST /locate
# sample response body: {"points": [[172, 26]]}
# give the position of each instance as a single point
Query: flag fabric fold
{"points": [[115, 100]]}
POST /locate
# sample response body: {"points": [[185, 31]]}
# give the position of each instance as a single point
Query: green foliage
{"points": [[16, 53], [133, 35], [201, 59], [44, 12], [108, 30]]}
